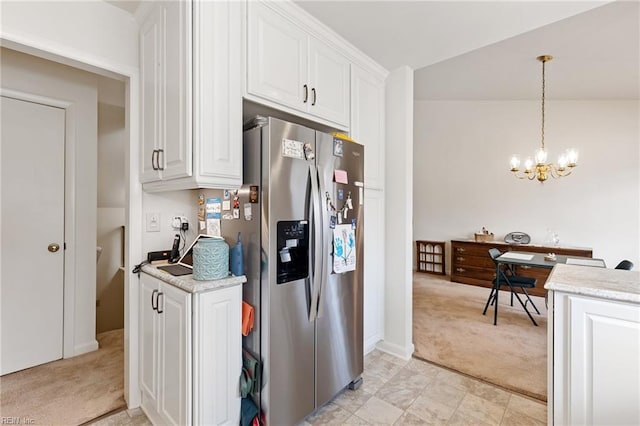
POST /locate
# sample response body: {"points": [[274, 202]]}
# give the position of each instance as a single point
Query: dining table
{"points": [[536, 260]]}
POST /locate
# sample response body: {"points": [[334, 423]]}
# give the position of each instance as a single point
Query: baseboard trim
{"points": [[403, 352], [86, 347], [370, 343]]}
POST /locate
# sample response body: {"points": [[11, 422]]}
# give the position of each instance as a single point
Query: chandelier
{"points": [[538, 168]]}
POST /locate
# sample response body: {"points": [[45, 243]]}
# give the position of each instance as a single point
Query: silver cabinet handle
{"points": [[160, 167], [159, 309], [154, 306], [153, 159]]}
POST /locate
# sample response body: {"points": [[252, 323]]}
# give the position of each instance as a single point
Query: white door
{"points": [[32, 226]]}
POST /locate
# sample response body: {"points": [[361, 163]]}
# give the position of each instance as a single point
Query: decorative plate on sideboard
{"points": [[517, 238]]}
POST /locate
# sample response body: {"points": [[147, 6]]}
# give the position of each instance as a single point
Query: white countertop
{"points": [[613, 284], [187, 283]]}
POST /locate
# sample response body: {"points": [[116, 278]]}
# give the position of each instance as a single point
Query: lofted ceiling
{"points": [[596, 56], [486, 49]]}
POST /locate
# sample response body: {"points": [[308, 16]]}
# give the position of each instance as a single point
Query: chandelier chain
{"points": [[543, 96]]}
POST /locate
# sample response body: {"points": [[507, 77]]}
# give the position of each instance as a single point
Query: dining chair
{"points": [[627, 265], [507, 277]]}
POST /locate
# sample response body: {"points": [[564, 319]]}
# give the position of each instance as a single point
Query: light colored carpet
{"points": [[70, 391], [450, 330]]}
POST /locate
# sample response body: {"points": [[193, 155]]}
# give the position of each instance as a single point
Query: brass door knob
{"points": [[53, 247]]}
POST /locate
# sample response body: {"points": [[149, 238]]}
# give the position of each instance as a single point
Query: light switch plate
{"points": [[153, 222]]}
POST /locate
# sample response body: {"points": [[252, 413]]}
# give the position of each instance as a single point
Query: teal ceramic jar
{"points": [[210, 259]]}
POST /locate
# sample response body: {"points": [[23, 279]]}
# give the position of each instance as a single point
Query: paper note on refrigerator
{"points": [[344, 249], [340, 176]]}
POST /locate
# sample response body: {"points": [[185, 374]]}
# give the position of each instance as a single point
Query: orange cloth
{"points": [[247, 318]]}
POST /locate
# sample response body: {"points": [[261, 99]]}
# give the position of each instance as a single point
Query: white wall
{"points": [[168, 204], [398, 212], [462, 180]]}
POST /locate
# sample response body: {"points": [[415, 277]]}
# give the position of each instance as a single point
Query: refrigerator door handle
{"points": [[325, 242], [318, 258]]}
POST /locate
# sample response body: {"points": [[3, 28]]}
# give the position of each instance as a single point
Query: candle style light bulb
{"points": [[528, 165], [541, 157], [515, 163], [572, 158], [562, 162]]}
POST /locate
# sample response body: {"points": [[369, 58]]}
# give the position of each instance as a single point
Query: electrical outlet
{"points": [[153, 222], [179, 222], [176, 223]]}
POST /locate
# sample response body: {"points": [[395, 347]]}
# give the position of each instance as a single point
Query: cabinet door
{"points": [[367, 123], [149, 343], [218, 92], [596, 368], [276, 58], [218, 356], [329, 83], [374, 269], [175, 158], [150, 86], [174, 312]]}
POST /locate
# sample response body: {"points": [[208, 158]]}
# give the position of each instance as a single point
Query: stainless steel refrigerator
{"points": [[304, 252]]}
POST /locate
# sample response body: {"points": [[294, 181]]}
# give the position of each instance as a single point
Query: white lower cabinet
{"points": [[374, 268], [190, 354], [596, 361]]}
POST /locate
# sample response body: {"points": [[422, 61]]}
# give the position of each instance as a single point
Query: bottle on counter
{"points": [[236, 257]]}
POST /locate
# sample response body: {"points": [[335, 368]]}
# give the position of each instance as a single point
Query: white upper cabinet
{"points": [[217, 93], [277, 57], [329, 82], [289, 67], [150, 67], [367, 122], [191, 94], [165, 64]]}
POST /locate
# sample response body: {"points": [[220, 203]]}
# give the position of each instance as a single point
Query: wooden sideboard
{"points": [[471, 263]]}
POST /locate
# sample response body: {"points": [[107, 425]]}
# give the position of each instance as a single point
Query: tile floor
{"points": [[414, 392]]}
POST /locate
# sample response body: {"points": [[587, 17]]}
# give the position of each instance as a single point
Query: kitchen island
{"points": [[190, 348], [593, 346]]}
